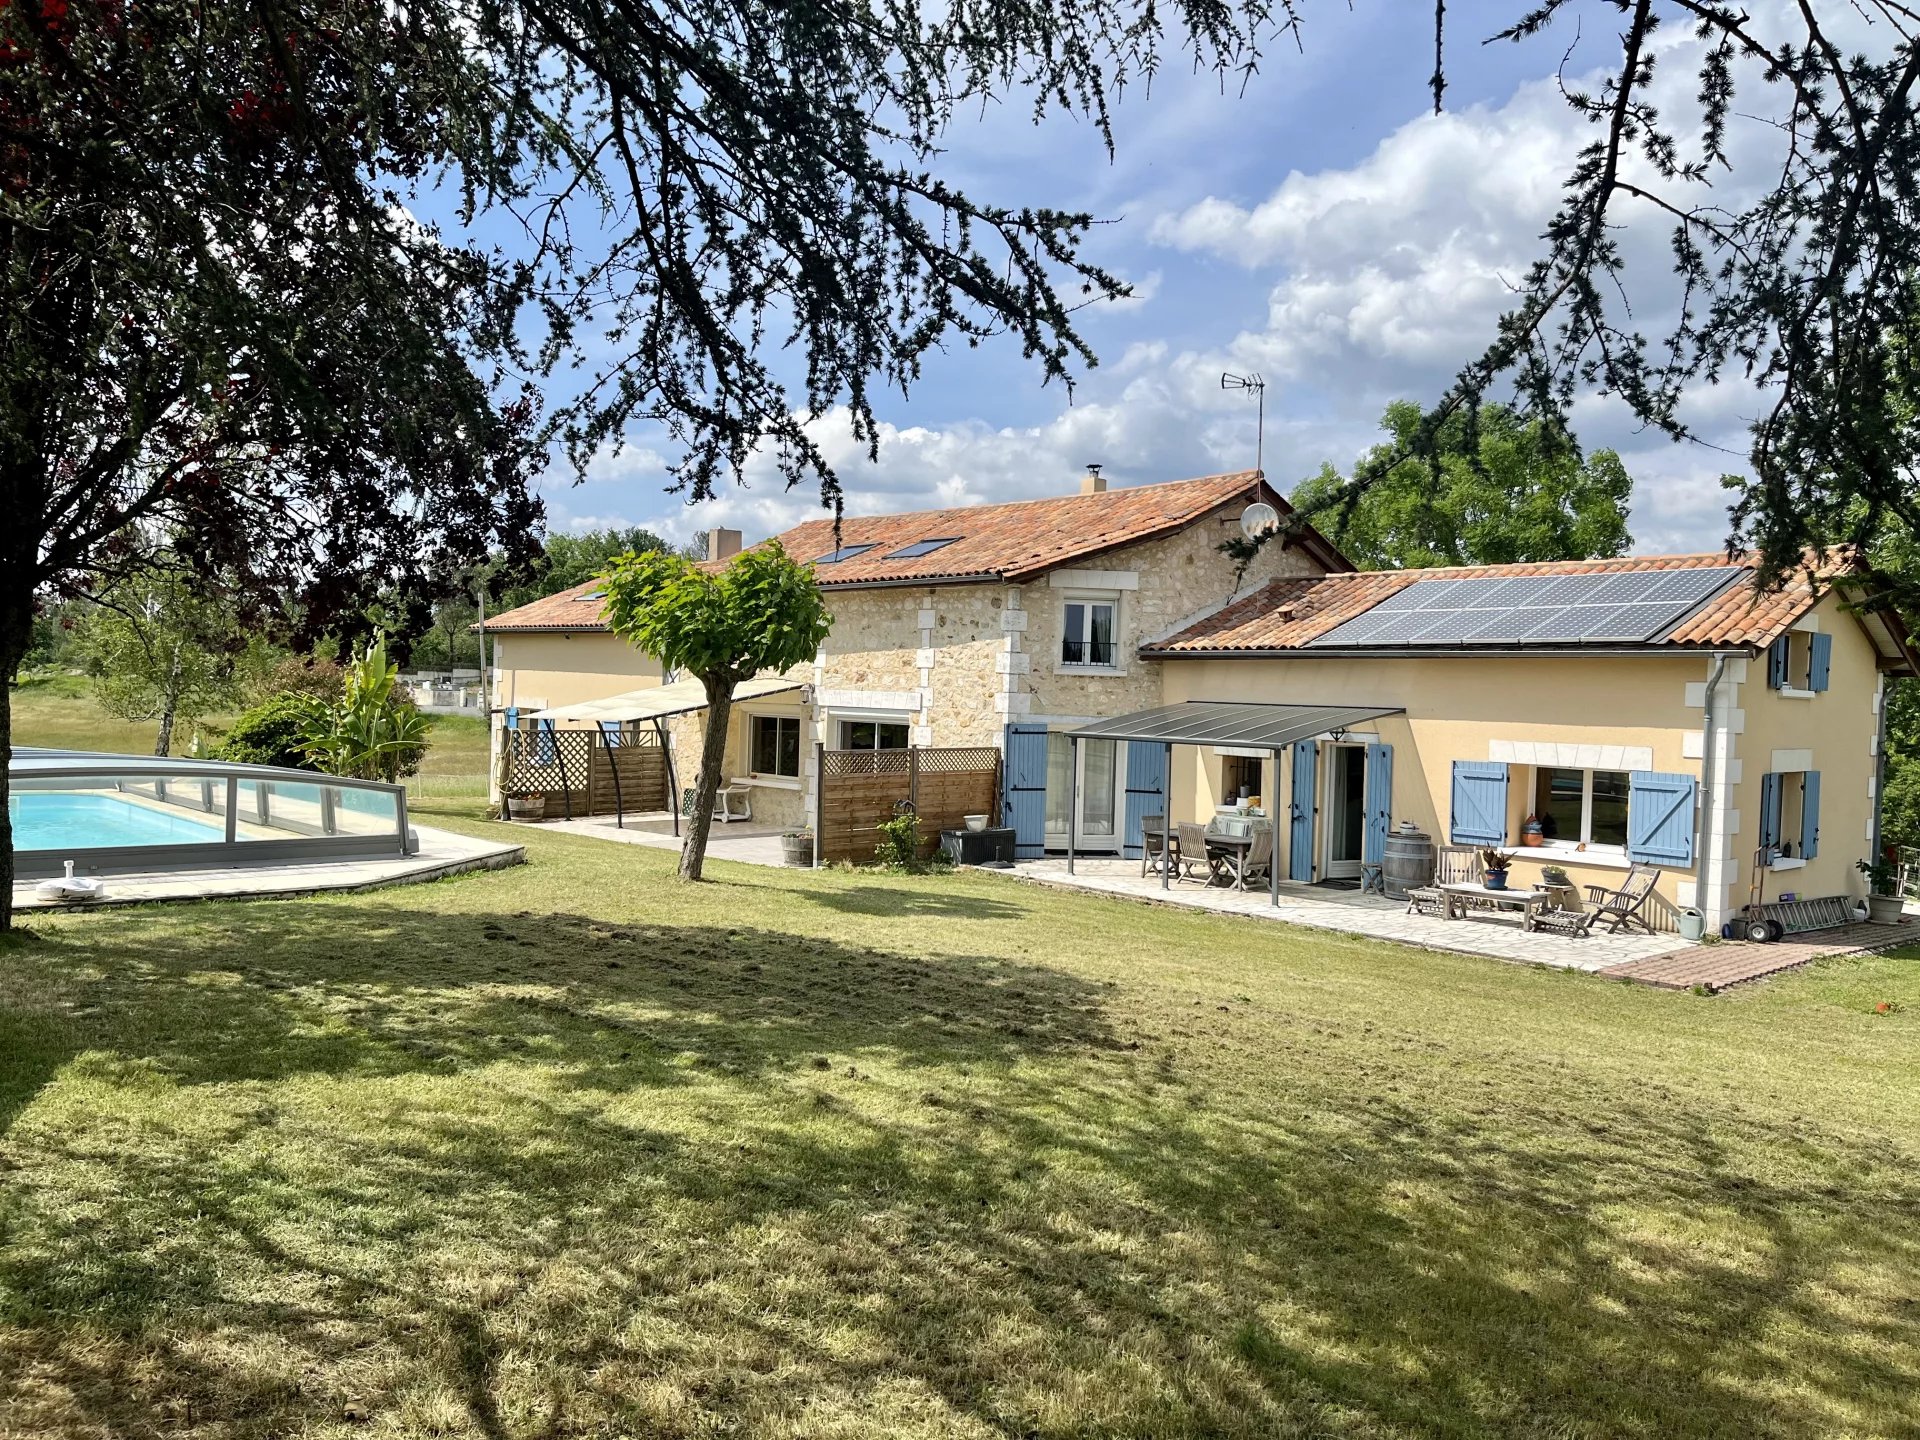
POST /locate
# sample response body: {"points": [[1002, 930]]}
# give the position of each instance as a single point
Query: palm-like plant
{"points": [[372, 733]]}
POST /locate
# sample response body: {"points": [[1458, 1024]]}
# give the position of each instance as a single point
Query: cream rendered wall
{"points": [[536, 670], [1838, 727], [1467, 709]]}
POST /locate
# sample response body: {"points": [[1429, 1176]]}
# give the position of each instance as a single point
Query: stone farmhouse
{"points": [[949, 625], [1593, 715]]}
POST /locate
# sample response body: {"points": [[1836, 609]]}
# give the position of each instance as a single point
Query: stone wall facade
{"points": [[957, 662]]}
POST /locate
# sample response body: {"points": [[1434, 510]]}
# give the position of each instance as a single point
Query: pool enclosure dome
{"points": [[122, 813]]}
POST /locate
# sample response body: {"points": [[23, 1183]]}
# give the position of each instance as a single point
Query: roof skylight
{"points": [[921, 547], [845, 552]]}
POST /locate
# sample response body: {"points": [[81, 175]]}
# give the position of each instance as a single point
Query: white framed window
{"points": [[862, 734], [1582, 807], [1090, 631], [773, 746]]}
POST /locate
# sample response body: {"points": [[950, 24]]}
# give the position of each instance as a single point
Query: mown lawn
{"points": [[576, 1151]]}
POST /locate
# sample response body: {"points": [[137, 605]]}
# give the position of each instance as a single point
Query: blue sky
{"points": [[1324, 229]]}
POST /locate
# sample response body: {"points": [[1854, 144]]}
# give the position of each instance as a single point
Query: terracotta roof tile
{"points": [[1287, 614], [1013, 542]]}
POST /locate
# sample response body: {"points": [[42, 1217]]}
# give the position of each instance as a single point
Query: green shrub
{"points": [[374, 732], [270, 734], [899, 847]]}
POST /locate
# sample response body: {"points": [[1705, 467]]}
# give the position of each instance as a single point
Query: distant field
{"points": [[60, 711]]}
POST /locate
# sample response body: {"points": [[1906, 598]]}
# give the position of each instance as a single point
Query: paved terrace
{"points": [[737, 840], [441, 853], [1662, 960]]}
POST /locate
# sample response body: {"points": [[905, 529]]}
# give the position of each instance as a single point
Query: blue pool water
{"points": [[90, 822]]}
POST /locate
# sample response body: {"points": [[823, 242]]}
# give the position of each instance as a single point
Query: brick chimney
{"points": [[1093, 482], [723, 544]]}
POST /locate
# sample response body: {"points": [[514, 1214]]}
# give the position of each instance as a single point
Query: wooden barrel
{"points": [[1407, 861]]}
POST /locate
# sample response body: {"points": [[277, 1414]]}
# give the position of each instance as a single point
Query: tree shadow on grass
{"points": [[918, 901], [643, 1205]]}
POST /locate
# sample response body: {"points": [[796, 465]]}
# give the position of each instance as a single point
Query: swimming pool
{"points": [[55, 821], [155, 814]]}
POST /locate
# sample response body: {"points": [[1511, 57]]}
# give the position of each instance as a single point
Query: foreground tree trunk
{"points": [[713, 755], [16, 631]]}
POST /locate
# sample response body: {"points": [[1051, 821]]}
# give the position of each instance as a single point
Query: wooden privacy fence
{"points": [[860, 788], [586, 772]]}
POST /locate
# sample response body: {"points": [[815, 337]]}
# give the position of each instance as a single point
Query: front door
{"points": [[1100, 792], [1346, 814]]}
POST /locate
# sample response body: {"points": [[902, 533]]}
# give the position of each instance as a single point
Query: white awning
{"points": [[657, 702]]}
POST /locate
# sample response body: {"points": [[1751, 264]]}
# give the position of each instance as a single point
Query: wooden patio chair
{"points": [[1452, 865], [1194, 854], [1623, 907], [1252, 863], [1154, 849]]}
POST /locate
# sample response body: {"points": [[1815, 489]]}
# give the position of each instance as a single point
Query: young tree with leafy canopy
{"points": [[1507, 490], [763, 612], [160, 647]]}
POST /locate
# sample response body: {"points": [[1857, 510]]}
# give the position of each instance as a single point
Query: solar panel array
{"points": [[1621, 607]]}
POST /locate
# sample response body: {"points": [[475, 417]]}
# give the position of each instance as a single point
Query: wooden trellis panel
{"points": [[860, 788]]}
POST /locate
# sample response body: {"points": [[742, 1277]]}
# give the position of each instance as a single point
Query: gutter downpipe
{"points": [[1708, 775]]}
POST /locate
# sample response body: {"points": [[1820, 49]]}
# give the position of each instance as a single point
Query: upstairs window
{"points": [[1089, 632], [1798, 662]]}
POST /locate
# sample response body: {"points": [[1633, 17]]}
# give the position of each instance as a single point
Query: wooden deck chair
{"points": [[1194, 854], [1153, 844], [1253, 863], [1452, 865], [1623, 907]]}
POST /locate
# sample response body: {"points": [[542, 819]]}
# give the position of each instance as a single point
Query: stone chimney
{"points": [[723, 544], [1093, 482]]}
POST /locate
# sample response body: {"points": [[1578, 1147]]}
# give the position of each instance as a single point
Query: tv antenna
{"points": [[1231, 381], [1259, 518]]}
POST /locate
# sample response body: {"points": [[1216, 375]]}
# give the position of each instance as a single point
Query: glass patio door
{"points": [[1100, 772]]}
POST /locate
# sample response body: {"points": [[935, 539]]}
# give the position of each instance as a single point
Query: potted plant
{"points": [[532, 806], [796, 847], [1493, 867], [1883, 890]]}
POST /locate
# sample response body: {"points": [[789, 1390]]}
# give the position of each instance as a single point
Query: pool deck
{"points": [[441, 853]]}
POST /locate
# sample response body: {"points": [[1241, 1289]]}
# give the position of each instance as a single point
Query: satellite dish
{"points": [[1259, 519]]}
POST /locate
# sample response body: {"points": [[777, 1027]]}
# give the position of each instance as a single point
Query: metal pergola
{"points": [[1244, 725]]}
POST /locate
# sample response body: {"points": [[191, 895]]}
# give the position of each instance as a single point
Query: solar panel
{"points": [[1623, 606]]}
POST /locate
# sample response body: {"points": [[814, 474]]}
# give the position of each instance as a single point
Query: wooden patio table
{"points": [[1460, 893]]}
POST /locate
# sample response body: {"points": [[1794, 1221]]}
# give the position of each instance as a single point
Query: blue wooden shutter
{"points": [[1810, 817], [1771, 789], [1777, 663], [543, 753], [1822, 661], [1479, 802], [1146, 791], [1660, 818], [1306, 762], [611, 729], [1379, 800], [1023, 789]]}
